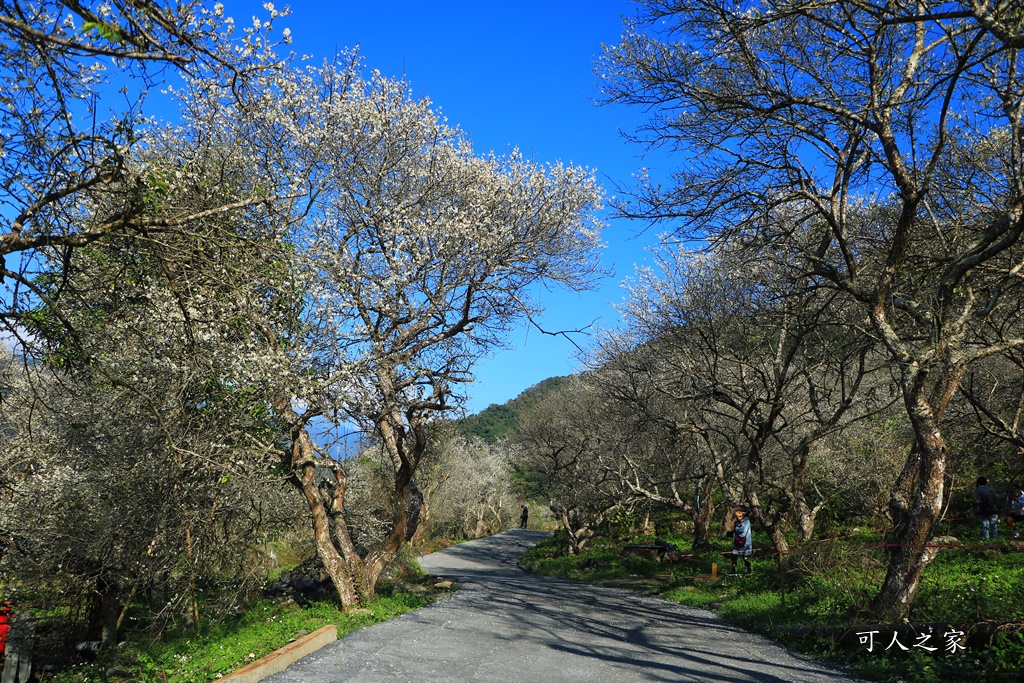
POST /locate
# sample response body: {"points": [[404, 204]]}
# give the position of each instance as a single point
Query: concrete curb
{"points": [[278, 660]]}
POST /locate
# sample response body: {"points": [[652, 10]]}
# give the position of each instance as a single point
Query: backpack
{"points": [[987, 503]]}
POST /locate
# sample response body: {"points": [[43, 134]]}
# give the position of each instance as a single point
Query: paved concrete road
{"points": [[506, 625]]}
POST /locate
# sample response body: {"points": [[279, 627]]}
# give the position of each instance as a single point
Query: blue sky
{"points": [[510, 74]]}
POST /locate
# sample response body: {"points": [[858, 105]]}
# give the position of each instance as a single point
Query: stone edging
{"points": [[278, 660]]}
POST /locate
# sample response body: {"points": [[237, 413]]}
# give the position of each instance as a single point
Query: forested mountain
{"points": [[494, 422]]}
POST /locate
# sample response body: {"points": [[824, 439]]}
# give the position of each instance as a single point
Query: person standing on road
{"points": [[742, 541], [524, 519], [987, 500]]}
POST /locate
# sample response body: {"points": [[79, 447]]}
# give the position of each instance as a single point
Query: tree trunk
{"points": [[703, 510], [778, 538], [481, 527], [774, 525], [408, 500], [193, 592], [426, 518], [915, 506], [578, 537], [343, 570], [804, 519], [426, 512], [728, 519], [802, 513], [497, 519], [106, 607], [340, 571], [746, 497]]}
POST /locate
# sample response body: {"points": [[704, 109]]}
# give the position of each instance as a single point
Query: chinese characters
{"points": [[952, 641]]}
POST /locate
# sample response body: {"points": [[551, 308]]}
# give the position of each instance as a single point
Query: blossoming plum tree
{"points": [[409, 257], [74, 77], [417, 256]]}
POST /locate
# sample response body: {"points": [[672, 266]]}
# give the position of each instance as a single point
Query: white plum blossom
{"points": [[417, 256]]}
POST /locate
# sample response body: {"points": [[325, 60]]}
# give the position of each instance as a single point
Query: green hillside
{"points": [[496, 421]]}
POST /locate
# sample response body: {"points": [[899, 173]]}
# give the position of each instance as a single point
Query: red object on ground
{"points": [[5, 618]]}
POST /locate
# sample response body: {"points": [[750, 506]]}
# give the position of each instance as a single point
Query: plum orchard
{"points": [[869, 149]]}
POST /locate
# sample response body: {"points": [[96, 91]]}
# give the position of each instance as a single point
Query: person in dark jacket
{"points": [[987, 500], [524, 519]]}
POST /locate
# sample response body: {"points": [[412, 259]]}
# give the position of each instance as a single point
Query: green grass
{"points": [[600, 562], [222, 648], [827, 585]]}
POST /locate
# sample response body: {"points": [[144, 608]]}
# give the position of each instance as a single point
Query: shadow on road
{"points": [[612, 627]]}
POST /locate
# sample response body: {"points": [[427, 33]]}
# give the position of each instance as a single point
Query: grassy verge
{"points": [[221, 648], [821, 591]]}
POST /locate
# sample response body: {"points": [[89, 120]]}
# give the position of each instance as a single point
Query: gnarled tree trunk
{"points": [[915, 506], [802, 513], [703, 509], [331, 539]]}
